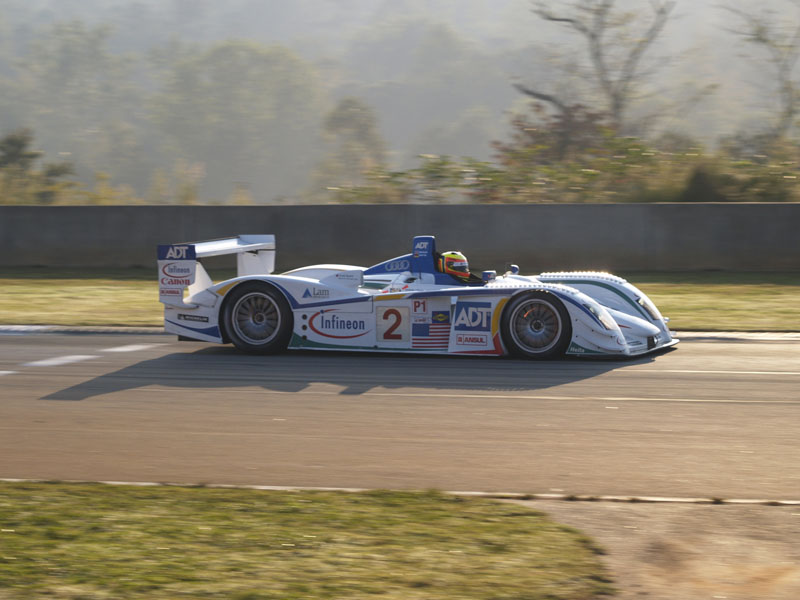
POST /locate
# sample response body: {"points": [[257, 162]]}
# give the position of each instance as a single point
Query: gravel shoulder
{"points": [[691, 551]]}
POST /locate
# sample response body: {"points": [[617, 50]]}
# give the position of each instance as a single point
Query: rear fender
{"points": [[225, 288]]}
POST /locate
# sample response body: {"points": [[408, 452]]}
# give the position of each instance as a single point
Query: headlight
{"points": [[650, 308], [602, 316]]}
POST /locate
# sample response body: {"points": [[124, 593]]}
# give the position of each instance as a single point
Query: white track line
{"points": [[705, 372], [258, 390], [59, 360], [6, 373], [131, 348], [502, 495], [565, 398]]}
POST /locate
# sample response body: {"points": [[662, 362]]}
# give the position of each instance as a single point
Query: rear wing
{"points": [[178, 266]]}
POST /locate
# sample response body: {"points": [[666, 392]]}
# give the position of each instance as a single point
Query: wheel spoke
{"points": [[256, 318], [536, 326]]}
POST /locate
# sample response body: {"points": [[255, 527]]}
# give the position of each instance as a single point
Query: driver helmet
{"points": [[454, 263]]}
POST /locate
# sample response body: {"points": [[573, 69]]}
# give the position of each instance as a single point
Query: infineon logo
{"points": [[177, 273], [176, 270], [328, 324], [473, 316]]}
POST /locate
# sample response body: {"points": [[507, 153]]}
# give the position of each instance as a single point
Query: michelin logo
{"points": [[197, 318]]}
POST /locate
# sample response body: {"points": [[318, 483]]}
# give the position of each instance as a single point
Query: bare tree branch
{"points": [[567, 116], [783, 51], [541, 9], [561, 106], [592, 19], [628, 71]]}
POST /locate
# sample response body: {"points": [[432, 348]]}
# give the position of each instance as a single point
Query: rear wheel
{"points": [[258, 319], [536, 325]]}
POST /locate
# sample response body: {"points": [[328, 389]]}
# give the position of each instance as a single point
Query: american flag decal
{"points": [[433, 336]]}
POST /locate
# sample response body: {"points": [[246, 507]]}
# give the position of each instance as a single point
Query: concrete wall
{"points": [[615, 237]]}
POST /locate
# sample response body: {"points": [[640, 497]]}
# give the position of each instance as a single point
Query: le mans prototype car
{"points": [[414, 303]]}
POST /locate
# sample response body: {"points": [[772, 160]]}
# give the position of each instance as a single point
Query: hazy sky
{"points": [[437, 73]]}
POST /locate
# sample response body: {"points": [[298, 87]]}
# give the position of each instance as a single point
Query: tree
{"points": [[616, 42], [780, 39], [245, 113], [15, 152], [426, 80], [356, 148], [571, 135], [20, 183], [81, 100]]}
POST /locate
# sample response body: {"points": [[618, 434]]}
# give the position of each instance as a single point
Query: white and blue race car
{"points": [[405, 304]]}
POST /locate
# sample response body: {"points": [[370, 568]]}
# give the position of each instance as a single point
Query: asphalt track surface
{"points": [[714, 419]]}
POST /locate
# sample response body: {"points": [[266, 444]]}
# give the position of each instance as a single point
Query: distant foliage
{"points": [[355, 151], [245, 102], [21, 182], [576, 157], [546, 160], [245, 114]]}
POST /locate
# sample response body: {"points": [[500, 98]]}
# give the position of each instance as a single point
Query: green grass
{"points": [[87, 541], [710, 301], [725, 301]]}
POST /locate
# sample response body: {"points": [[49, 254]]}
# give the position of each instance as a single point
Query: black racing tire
{"points": [[257, 318], [536, 325]]}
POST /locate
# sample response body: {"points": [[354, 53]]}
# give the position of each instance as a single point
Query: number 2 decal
{"points": [[393, 326], [390, 334]]}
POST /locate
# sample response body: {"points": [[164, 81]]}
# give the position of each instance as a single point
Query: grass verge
{"points": [[694, 301], [725, 301], [96, 541]]}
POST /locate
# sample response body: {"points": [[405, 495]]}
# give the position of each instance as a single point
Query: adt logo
{"points": [[473, 316], [177, 252], [422, 248]]}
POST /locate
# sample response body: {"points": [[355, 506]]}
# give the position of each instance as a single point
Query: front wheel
{"points": [[536, 325], [258, 318]]}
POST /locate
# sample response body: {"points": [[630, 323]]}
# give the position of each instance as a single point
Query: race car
{"points": [[422, 302]]}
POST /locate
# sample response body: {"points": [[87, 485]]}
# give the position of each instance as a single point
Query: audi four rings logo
{"points": [[398, 265]]}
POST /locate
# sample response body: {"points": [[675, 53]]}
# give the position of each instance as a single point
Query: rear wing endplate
{"points": [[178, 267]]}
